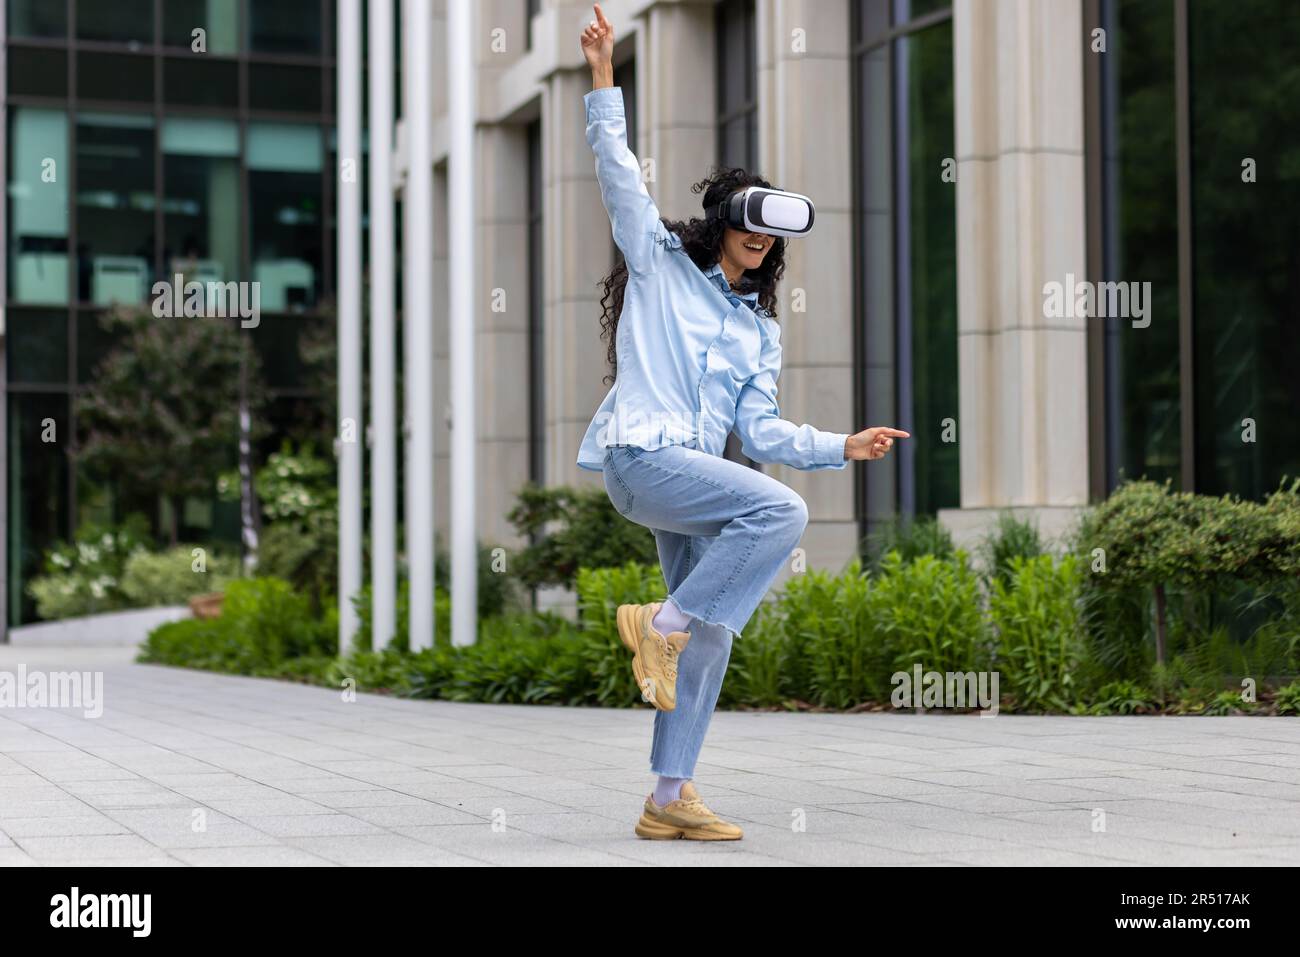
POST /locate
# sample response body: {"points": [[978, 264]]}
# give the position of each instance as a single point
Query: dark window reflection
{"points": [[1140, 212], [37, 440], [930, 231], [115, 207], [218, 19], [1246, 235], [284, 183], [284, 26], [119, 21], [38, 18]]}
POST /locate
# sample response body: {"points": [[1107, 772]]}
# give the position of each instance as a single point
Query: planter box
{"points": [[207, 606]]}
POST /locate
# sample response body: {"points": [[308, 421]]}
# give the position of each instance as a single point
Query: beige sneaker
{"points": [[687, 817], [654, 656]]}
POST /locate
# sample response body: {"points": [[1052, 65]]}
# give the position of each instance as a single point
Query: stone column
{"points": [[502, 327], [1023, 428], [805, 145]]}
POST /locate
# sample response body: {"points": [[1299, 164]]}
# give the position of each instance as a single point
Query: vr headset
{"points": [[771, 211]]}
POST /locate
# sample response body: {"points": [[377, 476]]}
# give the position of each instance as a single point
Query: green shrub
{"points": [[170, 577], [571, 529], [85, 578], [498, 591], [837, 652], [1148, 536], [1122, 697], [362, 602], [1034, 610], [911, 538], [602, 590], [1287, 699], [263, 623], [932, 610], [1010, 539]]}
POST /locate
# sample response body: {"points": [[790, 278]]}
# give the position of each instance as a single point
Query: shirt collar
{"points": [[719, 278]]}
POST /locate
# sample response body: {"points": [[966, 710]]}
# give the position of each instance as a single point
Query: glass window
{"points": [[908, 10], [218, 19], [906, 223], [874, 276], [1245, 264], [196, 81], [36, 346], [286, 227], [122, 21], [94, 342], [201, 199], [737, 84], [276, 86], [115, 77], [115, 207], [284, 26], [38, 206], [536, 310], [38, 18], [34, 71], [1140, 214], [927, 236], [38, 436]]}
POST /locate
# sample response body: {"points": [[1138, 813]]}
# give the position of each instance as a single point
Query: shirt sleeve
{"points": [[632, 213], [768, 438]]}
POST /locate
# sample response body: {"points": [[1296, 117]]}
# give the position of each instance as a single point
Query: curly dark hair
{"points": [[702, 241]]}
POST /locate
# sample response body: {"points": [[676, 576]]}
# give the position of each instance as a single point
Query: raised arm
{"points": [[632, 213]]}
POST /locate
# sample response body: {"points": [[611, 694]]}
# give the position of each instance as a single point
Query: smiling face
{"points": [[745, 249]]}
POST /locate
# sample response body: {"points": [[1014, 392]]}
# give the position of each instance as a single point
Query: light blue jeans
{"points": [[723, 531]]}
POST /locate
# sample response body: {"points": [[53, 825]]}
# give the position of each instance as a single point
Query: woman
{"points": [[690, 319]]}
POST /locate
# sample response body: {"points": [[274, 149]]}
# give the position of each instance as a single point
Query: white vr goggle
{"points": [[771, 211]]}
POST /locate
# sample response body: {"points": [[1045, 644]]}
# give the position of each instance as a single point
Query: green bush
{"points": [[932, 610], [911, 538], [263, 623], [837, 650], [1040, 646], [1010, 539], [1287, 699], [170, 577], [1148, 536], [498, 592], [85, 578], [571, 529], [602, 590], [1122, 697]]}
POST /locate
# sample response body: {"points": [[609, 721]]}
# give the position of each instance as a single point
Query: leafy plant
{"points": [[171, 578], [85, 577], [571, 528], [910, 538], [1123, 697], [1039, 642], [932, 610], [1010, 539]]}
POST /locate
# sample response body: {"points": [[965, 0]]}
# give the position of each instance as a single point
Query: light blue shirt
{"points": [[696, 360]]}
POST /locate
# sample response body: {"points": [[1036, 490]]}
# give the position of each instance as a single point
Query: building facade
{"points": [[985, 173]]}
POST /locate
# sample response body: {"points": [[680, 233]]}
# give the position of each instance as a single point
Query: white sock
{"points": [[669, 619], [668, 789]]}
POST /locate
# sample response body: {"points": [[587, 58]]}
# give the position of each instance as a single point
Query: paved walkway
{"points": [[187, 767]]}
